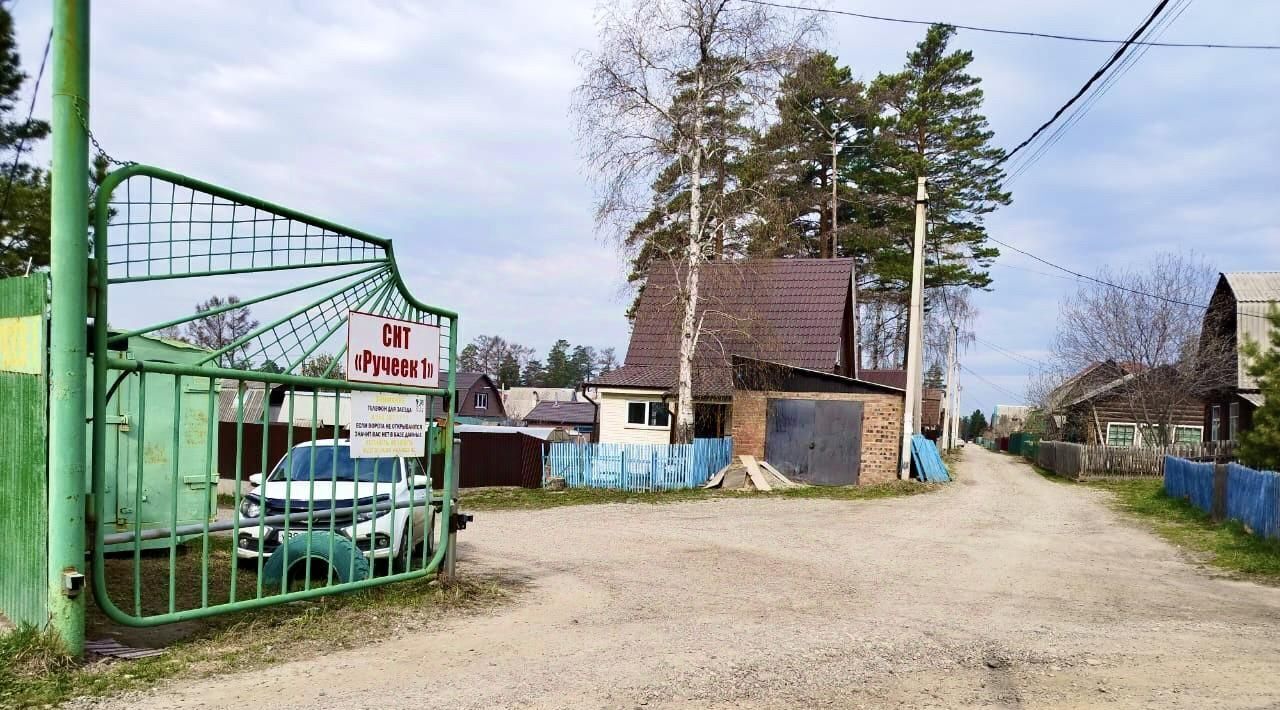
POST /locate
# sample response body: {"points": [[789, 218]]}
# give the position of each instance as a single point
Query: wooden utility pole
{"points": [[915, 334]]}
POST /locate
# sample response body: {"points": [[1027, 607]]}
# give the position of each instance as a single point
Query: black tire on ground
{"points": [[345, 569], [404, 556]]}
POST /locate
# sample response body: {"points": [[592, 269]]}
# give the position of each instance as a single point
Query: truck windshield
{"points": [[334, 463]]}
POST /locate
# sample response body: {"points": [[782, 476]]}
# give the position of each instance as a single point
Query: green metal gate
{"points": [[164, 550]]}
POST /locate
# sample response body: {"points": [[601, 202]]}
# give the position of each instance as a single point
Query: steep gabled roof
{"points": [[783, 310], [1254, 294]]}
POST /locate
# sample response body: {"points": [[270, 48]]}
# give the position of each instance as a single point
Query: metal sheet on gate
{"points": [[815, 441], [23, 429], [837, 443], [789, 436]]}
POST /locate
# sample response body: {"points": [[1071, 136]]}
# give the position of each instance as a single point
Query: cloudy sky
{"points": [[444, 126]]}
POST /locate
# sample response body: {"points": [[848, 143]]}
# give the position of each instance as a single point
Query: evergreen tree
{"points": [[583, 364], [24, 200], [271, 366], [977, 424], [1260, 444], [469, 358], [533, 375], [929, 123], [509, 372], [664, 230], [560, 371], [823, 118], [933, 376]]}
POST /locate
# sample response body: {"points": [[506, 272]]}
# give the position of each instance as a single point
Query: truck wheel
{"points": [[404, 558], [345, 569]]}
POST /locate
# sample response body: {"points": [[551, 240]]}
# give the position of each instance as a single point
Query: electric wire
{"points": [[1020, 33]]}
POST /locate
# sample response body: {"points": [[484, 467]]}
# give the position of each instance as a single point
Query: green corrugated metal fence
{"points": [[24, 508]]}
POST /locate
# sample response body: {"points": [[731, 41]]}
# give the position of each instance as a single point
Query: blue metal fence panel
{"points": [[1190, 480], [638, 467], [1253, 498], [928, 463]]}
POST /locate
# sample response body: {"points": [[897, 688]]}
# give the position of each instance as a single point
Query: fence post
{"points": [[68, 262], [1218, 511]]}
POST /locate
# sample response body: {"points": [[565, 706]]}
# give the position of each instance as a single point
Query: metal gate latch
{"points": [[458, 521]]}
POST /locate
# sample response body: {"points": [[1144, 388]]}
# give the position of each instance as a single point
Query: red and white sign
{"points": [[391, 351]]}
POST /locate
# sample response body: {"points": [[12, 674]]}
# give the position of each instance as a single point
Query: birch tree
{"points": [[647, 100]]}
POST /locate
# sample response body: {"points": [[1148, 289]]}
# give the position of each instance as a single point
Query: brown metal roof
{"points": [[788, 311], [562, 413], [892, 378]]}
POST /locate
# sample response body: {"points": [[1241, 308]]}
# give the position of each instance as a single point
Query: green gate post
{"points": [[69, 263]]}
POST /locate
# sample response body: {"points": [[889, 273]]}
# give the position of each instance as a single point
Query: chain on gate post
{"points": [[68, 262]]}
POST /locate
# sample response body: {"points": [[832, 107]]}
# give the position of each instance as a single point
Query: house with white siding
{"points": [[796, 312]]}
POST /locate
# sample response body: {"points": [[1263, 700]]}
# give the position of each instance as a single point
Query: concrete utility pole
{"points": [[68, 267], [915, 334], [948, 430]]}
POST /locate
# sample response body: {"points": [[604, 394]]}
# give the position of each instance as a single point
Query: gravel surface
{"points": [[1003, 590]]}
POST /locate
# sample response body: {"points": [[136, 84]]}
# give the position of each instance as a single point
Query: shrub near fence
{"points": [[638, 467], [1251, 497]]}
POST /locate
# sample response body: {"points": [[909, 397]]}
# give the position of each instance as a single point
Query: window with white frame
{"points": [[1188, 434], [482, 400], [1121, 434], [1233, 420], [1215, 419], [648, 414]]}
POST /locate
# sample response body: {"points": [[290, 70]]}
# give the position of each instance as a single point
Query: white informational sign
{"points": [[386, 425], [390, 351]]}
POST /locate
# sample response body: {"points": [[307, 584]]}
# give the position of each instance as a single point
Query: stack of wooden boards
{"points": [[751, 475]]}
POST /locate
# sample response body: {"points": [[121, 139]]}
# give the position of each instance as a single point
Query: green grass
{"points": [[1227, 546], [34, 671], [537, 499]]}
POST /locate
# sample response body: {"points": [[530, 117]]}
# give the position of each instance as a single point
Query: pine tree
{"points": [[664, 230], [930, 124], [559, 370], [509, 372], [977, 424], [823, 117], [1260, 444], [24, 200], [933, 377], [533, 374]]}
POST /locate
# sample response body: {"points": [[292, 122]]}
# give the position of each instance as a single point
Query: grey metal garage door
{"points": [[817, 442]]}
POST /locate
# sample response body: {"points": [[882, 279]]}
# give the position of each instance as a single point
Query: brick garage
{"points": [[756, 382]]}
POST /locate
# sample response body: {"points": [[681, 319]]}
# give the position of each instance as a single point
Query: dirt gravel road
{"points": [[1004, 590]]}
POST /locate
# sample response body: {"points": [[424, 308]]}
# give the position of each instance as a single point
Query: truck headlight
{"points": [[249, 509]]}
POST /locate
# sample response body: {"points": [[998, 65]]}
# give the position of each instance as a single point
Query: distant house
{"points": [[519, 401], [1008, 418], [479, 399], [796, 312], [1237, 312], [932, 409], [574, 417], [1092, 408]]}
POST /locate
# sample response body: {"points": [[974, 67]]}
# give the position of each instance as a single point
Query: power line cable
{"points": [[1020, 33], [22, 140], [1115, 57], [1024, 359], [1000, 388], [1079, 112]]}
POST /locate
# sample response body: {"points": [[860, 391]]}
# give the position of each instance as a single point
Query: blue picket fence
{"points": [[1253, 497], [1190, 480], [637, 467]]}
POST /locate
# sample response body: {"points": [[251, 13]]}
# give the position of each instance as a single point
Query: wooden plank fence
{"points": [[1085, 461], [637, 467]]}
